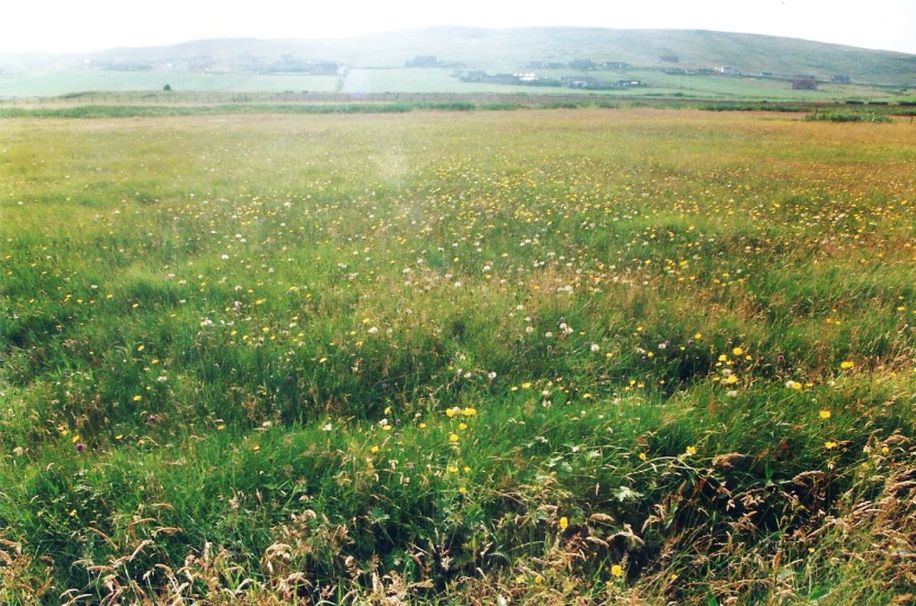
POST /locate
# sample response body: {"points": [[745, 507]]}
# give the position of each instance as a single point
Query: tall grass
{"points": [[634, 356]]}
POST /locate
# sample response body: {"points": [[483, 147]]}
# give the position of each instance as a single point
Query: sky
{"points": [[87, 25]]}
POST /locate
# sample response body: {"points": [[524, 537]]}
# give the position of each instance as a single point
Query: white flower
{"points": [[373, 330], [595, 348]]}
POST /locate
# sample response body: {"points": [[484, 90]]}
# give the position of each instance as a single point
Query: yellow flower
{"points": [[847, 364], [737, 351], [730, 380], [462, 426], [691, 450], [137, 398], [824, 413], [829, 444], [617, 570], [374, 449], [642, 456], [462, 489], [453, 437], [564, 523], [793, 385]]}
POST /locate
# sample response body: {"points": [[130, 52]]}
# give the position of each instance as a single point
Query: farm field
{"points": [[658, 83], [50, 83], [582, 356]]}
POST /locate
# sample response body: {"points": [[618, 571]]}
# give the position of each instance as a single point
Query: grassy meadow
{"points": [[584, 356]]}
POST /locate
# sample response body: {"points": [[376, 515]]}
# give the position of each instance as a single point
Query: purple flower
{"points": [[80, 447]]}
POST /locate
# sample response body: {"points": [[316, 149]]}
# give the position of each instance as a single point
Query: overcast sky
{"points": [[85, 25]]}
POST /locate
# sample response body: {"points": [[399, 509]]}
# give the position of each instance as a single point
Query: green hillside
{"points": [[276, 65]]}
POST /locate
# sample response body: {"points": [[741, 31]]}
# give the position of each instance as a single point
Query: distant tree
{"points": [[167, 88], [582, 64]]}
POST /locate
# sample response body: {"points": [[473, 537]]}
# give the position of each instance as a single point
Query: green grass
{"points": [[134, 111], [137, 107], [549, 355], [49, 83], [847, 116]]}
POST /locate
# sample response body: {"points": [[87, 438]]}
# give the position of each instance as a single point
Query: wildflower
{"points": [[793, 385], [642, 456], [453, 437], [564, 523], [847, 364], [80, 447], [737, 351], [374, 449], [824, 413], [617, 570], [830, 444], [595, 348], [137, 398], [691, 450]]}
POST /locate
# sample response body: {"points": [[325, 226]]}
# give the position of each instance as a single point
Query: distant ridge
{"points": [[510, 49]]}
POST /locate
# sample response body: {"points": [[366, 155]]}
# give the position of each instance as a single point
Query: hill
{"points": [[250, 64]]}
